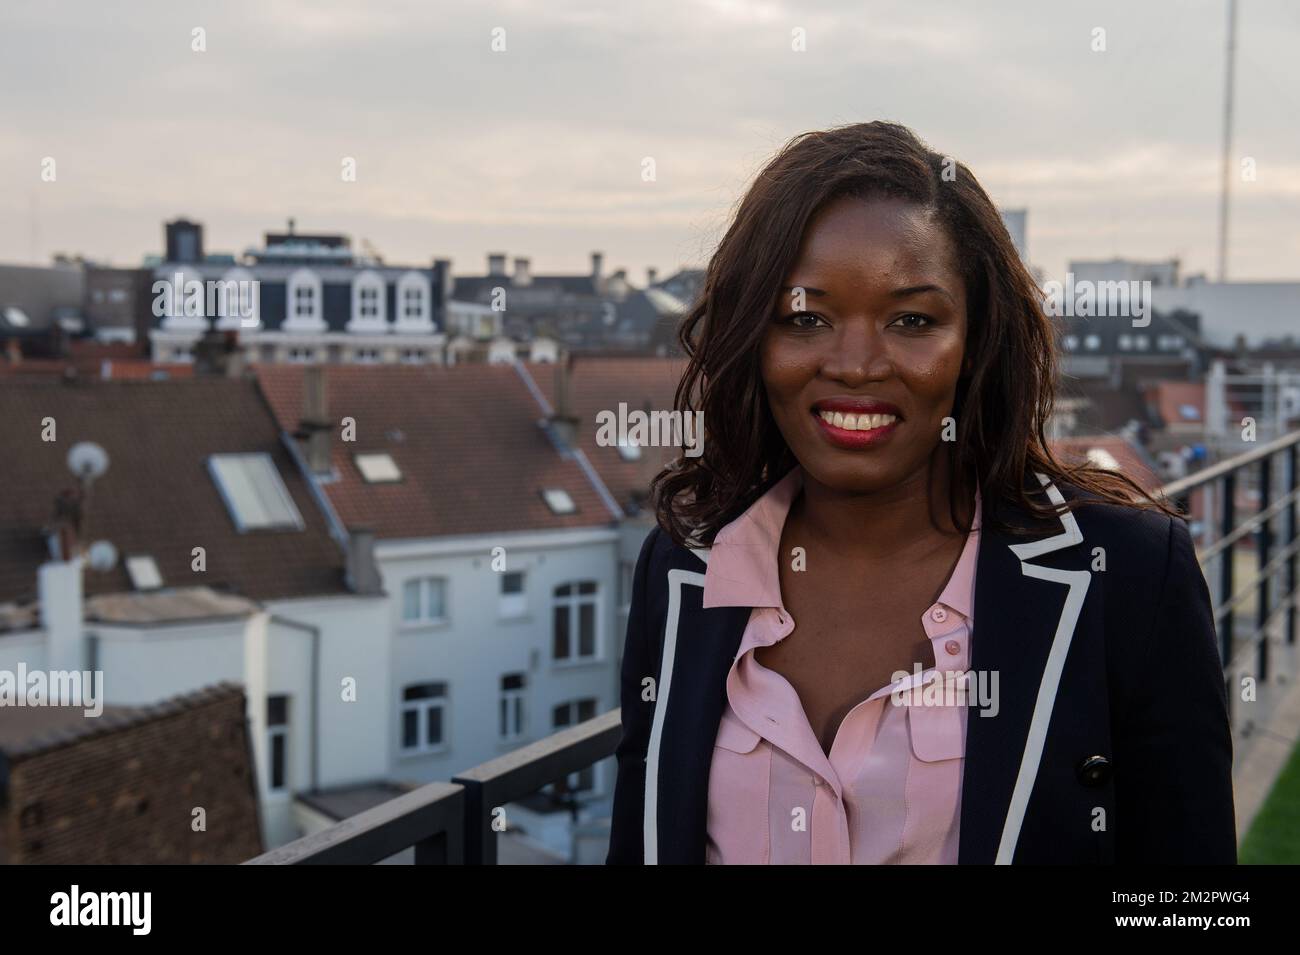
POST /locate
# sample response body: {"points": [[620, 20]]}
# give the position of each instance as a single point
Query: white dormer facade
{"points": [[414, 304], [241, 301], [369, 300], [304, 305], [181, 312]]}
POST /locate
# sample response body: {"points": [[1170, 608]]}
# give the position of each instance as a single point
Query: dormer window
{"points": [[304, 305], [414, 296], [368, 293], [238, 300]]}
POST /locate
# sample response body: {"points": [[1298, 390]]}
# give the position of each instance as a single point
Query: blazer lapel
{"points": [[699, 647], [1025, 615]]}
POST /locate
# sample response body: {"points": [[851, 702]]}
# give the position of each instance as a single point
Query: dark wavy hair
{"points": [[1002, 405]]}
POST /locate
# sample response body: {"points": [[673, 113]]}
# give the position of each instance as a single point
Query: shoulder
{"points": [[1138, 542], [660, 553]]}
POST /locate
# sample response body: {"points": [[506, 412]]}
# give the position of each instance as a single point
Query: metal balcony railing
{"points": [[1268, 598], [452, 822]]}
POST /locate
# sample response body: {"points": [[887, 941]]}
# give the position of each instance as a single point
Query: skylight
{"points": [[378, 468], [558, 500], [143, 572], [254, 494], [1103, 459]]}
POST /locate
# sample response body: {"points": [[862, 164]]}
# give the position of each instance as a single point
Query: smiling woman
{"points": [[877, 372]]}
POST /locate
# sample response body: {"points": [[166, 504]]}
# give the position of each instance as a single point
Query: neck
{"points": [[908, 519]]}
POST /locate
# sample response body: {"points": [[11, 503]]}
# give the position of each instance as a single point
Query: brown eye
{"points": [[913, 321], [802, 320]]}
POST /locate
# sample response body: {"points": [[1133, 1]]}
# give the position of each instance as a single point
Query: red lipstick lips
{"points": [[856, 423]]}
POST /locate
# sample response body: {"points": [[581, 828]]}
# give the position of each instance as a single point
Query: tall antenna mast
{"points": [[1227, 140]]}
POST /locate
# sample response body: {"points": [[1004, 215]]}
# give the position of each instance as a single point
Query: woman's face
{"points": [[876, 346]]}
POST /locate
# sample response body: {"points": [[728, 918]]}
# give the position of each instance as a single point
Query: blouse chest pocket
{"points": [[734, 735], [937, 732]]}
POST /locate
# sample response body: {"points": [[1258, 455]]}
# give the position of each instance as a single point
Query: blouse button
{"points": [[953, 647], [939, 615]]}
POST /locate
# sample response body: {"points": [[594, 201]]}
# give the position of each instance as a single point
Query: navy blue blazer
{"points": [[1111, 744]]}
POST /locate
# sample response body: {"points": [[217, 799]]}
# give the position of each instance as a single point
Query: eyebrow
{"points": [[896, 293]]}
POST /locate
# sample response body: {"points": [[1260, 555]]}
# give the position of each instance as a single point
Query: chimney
{"points": [[290, 229], [496, 263], [315, 423], [64, 529], [651, 276], [443, 268], [647, 466], [362, 571], [563, 421], [218, 353], [597, 260], [58, 587], [522, 276]]}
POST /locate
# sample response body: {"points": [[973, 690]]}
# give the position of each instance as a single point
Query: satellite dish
{"points": [[102, 555], [87, 460]]}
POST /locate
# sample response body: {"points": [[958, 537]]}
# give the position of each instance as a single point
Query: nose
{"points": [[856, 354]]}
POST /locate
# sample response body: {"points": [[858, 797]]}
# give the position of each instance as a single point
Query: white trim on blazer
{"points": [[1078, 582]]}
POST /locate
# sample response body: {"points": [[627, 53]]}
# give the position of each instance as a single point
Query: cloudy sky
{"points": [[537, 150]]}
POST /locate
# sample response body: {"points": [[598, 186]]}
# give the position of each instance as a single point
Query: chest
{"points": [[852, 632]]}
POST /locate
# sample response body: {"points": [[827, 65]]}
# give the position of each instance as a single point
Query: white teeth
{"points": [[859, 422]]}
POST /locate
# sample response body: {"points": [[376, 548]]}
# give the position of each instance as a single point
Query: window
{"points": [[1070, 342], [413, 302], [558, 500], [424, 600], [512, 706], [254, 494], [143, 571], [1092, 342], [513, 601], [369, 303], [302, 356], [562, 717], [304, 300], [1142, 342], [378, 468], [366, 356], [1125, 343], [412, 356], [424, 711], [575, 621], [368, 293], [277, 740]]}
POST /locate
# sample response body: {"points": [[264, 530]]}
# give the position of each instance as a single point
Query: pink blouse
{"points": [[890, 791]]}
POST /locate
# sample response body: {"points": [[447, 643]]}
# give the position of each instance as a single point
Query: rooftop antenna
{"points": [[88, 462], [1227, 140]]}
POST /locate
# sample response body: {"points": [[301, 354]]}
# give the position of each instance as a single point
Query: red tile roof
{"points": [[599, 383], [1132, 463], [1170, 398], [157, 497], [467, 441]]}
